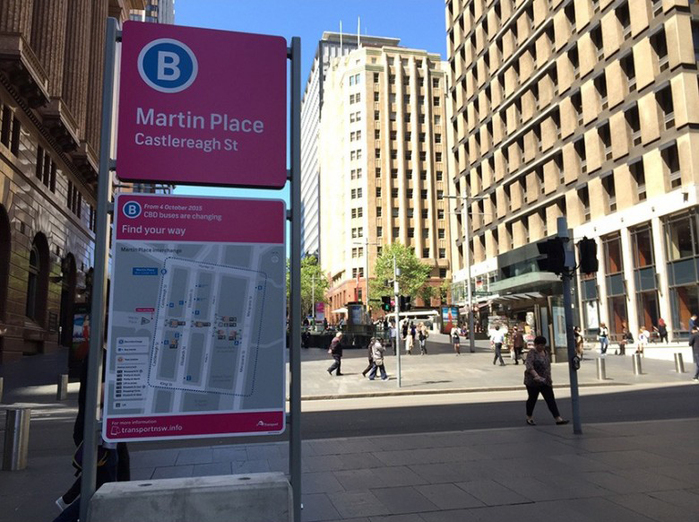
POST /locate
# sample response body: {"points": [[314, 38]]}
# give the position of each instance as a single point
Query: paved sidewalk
{"points": [[633, 471]]}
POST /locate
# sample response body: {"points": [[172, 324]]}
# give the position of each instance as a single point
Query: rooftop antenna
{"points": [[340, 37], [359, 41]]}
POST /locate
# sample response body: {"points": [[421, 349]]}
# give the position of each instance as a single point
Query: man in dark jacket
{"points": [[694, 343], [517, 344], [336, 351]]}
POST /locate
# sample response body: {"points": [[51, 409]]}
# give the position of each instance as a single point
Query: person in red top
{"points": [[517, 344]]}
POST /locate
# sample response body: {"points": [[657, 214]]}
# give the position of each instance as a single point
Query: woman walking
{"points": [[643, 339], [537, 379], [662, 330], [377, 356], [455, 340], [370, 356], [422, 335], [603, 338]]}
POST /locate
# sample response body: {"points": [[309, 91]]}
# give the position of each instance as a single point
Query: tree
{"points": [[313, 283], [414, 273]]}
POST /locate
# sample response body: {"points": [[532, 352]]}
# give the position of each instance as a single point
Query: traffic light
{"points": [[587, 253], [554, 256], [404, 303], [385, 303]]}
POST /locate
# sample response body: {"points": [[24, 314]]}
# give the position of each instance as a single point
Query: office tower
{"points": [[50, 116], [331, 45], [157, 11], [586, 109], [382, 165]]}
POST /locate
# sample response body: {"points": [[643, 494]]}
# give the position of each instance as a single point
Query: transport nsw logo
{"points": [[167, 65]]}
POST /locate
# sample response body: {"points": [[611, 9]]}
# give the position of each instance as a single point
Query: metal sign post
{"points": [[99, 285], [567, 277], [294, 54], [396, 295]]}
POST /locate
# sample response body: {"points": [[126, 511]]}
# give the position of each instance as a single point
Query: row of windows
{"points": [[406, 79], [355, 98], [439, 175], [357, 212], [395, 212], [409, 193], [409, 155], [10, 130]]}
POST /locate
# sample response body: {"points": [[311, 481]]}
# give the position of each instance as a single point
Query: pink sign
{"points": [[204, 107], [182, 218], [195, 425]]}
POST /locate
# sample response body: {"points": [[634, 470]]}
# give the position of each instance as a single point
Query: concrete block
{"points": [[260, 497]]}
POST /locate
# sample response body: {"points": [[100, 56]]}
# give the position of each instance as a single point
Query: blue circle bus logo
{"points": [[167, 65], [132, 209]]}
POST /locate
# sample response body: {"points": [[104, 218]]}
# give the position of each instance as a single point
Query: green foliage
{"points": [[414, 273], [311, 276]]}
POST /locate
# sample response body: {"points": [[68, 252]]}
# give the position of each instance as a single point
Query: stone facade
{"points": [[51, 54]]}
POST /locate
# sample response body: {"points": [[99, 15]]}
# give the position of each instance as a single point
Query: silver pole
{"points": [[601, 369], [637, 366], [16, 439], [471, 335], [366, 274], [396, 297], [679, 363], [62, 387], [295, 330], [313, 300], [2, 387], [570, 336], [94, 375]]}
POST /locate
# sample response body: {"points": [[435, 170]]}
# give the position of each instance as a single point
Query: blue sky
{"points": [[418, 23]]}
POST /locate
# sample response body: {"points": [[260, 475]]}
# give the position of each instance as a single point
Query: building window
{"points": [[584, 196], [440, 213], [671, 161], [610, 190], [38, 279], [395, 212], [379, 231], [442, 253], [411, 232], [423, 194], [379, 211], [6, 129], [378, 192], [441, 233], [667, 107], [633, 123], [639, 177], [438, 157], [425, 253], [424, 213], [440, 194], [425, 233]]}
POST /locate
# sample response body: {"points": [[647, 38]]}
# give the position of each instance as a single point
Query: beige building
{"points": [[584, 109], [383, 170]]}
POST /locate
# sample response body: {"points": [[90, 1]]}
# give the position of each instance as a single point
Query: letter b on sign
{"points": [[167, 65]]}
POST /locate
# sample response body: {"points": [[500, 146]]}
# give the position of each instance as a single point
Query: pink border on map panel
{"points": [[217, 220], [174, 426], [240, 75]]}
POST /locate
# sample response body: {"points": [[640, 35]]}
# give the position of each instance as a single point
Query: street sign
{"points": [[197, 318], [204, 107]]}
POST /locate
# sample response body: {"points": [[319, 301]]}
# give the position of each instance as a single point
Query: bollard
{"points": [[679, 363], [601, 369], [2, 386], [637, 367], [16, 438], [62, 387]]}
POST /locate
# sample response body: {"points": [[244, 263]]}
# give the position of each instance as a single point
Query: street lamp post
{"points": [[469, 292], [366, 244]]}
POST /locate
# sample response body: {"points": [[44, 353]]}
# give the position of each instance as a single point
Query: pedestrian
{"points": [[325, 324], [370, 349], [662, 330], [378, 361], [578, 342], [537, 379], [113, 461], [305, 339], [693, 322], [497, 337], [393, 335], [643, 338], [404, 330], [694, 343], [603, 338], [517, 344], [626, 338], [336, 351], [455, 339], [422, 336], [409, 340]]}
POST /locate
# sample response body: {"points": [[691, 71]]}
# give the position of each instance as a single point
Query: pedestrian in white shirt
{"points": [[497, 337]]}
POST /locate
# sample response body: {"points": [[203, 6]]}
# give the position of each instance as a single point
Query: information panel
{"points": [[196, 343], [204, 107]]}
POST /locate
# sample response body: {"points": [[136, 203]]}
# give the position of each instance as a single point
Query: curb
{"points": [[398, 393]]}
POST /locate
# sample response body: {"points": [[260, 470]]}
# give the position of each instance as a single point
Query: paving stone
{"points": [[213, 469], [318, 507], [413, 517], [250, 466], [492, 493], [682, 498], [654, 508], [323, 463], [153, 458], [195, 456], [398, 476], [448, 496], [229, 454], [604, 508], [403, 500], [320, 482], [173, 472], [357, 504]]}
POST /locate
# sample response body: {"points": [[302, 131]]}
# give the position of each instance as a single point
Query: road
{"points": [[472, 411]]}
